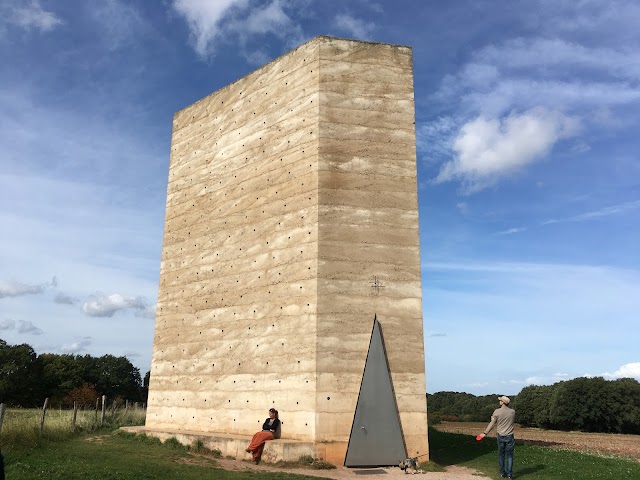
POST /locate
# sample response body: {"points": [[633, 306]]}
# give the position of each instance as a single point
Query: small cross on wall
{"points": [[376, 285]]}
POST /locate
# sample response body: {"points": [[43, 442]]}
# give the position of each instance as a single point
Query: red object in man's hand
{"points": [[479, 437]]}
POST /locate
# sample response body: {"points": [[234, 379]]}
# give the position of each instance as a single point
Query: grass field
{"points": [[531, 462], [105, 454], [596, 443], [21, 426], [122, 457]]}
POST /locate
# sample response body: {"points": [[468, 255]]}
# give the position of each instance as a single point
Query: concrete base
{"points": [[233, 445]]}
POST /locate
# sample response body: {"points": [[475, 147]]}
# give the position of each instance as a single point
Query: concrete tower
{"points": [[291, 220]]}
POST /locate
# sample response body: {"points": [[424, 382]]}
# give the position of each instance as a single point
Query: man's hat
{"points": [[505, 400]]}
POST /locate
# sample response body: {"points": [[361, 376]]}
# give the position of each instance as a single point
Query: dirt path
{"points": [[341, 473]]}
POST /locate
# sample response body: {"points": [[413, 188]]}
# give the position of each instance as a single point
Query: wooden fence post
{"points": [[1, 415], [104, 408], [75, 413], [44, 411]]}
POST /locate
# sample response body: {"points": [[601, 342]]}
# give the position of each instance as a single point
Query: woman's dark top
{"points": [[273, 426]]}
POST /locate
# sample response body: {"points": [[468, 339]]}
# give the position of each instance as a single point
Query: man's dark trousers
{"points": [[505, 454]]}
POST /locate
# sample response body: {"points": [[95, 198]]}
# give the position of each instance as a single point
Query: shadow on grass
{"points": [[525, 471], [455, 448]]}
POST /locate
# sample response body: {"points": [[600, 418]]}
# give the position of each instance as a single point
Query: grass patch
{"points": [[431, 467], [306, 461], [21, 427], [119, 456], [530, 462]]}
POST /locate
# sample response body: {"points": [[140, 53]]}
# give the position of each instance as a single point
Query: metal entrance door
{"points": [[376, 434]]}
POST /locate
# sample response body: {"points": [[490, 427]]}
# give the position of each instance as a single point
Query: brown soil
{"points": [[598, 443], [96, 438]]}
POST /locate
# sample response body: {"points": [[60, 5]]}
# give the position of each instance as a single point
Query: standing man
{"points": [[503, 417]]}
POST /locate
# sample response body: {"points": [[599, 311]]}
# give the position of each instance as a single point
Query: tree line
{"points": [[460, 407], [27, 378], [583, 404]]}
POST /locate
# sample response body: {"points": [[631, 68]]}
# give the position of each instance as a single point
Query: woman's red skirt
{"points": [[257, 443]]}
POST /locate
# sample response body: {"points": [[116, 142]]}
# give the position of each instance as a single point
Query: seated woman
{"points": [[270, 430]]}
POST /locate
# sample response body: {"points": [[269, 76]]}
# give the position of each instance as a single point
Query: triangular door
{"points": [[376, 434]]}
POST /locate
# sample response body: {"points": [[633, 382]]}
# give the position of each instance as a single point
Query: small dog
{"points": [[409, 464]]}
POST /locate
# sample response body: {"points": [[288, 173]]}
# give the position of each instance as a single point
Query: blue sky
{"points": [[527, 125]]}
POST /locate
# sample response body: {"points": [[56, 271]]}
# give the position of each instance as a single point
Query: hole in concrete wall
{"points": [[328, 398]]}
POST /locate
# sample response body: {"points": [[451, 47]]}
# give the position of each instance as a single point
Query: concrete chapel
{"points": [[291, 221]]}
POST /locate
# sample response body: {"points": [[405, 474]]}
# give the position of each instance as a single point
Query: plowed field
{"points": [[602, 443]]}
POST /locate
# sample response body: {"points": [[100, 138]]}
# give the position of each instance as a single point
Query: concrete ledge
{"points": [[233, 445]]}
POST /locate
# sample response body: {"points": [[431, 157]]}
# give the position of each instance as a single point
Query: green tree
{"points": [[61, 374], [144, 395], [20, 371], [532, 406], [117, 377]]}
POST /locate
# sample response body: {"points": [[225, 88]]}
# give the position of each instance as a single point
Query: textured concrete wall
{"points": [[289, 191], [368, 230], [236, 323]]}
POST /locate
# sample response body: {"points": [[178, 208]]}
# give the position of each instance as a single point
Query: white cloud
{"points": [[489, 149], [15, 289], [555, 73], [77, 347], [511, 231], [34, 17], [590, 80], [270, 19], [594, 214], [540, 292], [607, 211], [561, 55], [463, 207], [434, 138], [101, 305], [355, 27], [65, 299], [238, 21], [547, 380], [148, 312], [203, 18], [629, 370], [25, 326], [118, 23], [478, 385], [7, 324]]}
